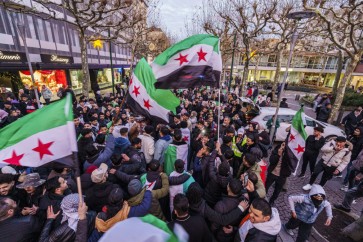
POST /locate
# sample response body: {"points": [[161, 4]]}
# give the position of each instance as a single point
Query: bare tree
{"points": [[343, 22], [91, 18], [248, 18]]}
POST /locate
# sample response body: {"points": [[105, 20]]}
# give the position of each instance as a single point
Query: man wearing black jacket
{"points": [[312, 147]]}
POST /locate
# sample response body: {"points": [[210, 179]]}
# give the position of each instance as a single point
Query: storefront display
{"points": [[76, 79], [53, 79]]}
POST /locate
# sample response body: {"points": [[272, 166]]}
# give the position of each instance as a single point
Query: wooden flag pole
{"points": [[219, 113]]}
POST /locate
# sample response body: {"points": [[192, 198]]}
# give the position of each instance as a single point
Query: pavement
{"points": [[332, 188]]}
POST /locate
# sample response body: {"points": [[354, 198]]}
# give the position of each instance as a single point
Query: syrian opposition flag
{"points": [[144, 99], [172, 153], [296, 140], [193, 62], [40, 137], [144, 229]]}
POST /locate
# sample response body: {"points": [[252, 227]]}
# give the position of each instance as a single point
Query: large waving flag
{"points": [[296, 140], [172, 153], [144, 229], [195, 61], [144, 99], [43, 136]]}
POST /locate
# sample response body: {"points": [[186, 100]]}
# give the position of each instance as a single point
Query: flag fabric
{"points": [[172, 153], [296, 140], [193, 62], [144, 99], [43, 136], [144, 229]]}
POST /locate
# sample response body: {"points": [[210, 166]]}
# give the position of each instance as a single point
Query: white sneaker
{"points": [[344, 188], [354, 201], [307, 187]]}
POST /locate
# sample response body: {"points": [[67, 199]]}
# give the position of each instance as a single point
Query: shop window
{"points": [[53, 79], [76, 79]]}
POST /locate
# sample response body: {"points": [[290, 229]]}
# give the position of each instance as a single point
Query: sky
{"points": [[174, 12]]}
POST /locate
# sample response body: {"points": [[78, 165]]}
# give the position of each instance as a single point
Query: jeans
{"points": [[47, 100], [346, 178], [304, 229], [327, 173], [352, 194], [279, 183], [308, 159]]}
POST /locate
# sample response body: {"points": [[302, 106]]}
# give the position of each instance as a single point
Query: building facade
{"points": [[55, 55], [307, 68]]}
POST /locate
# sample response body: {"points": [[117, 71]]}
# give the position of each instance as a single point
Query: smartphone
{"points": [[245, 180]]}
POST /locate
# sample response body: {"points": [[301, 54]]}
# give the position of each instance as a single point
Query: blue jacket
{"points": [[104, 156], [121, 145], [160, 147]]}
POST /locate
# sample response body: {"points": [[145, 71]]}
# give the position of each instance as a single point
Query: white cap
{"points": [[8, 170]]}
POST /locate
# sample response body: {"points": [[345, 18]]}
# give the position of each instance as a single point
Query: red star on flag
{"points": [[147, 104], [292, 137], [182, 59], [14, 159], [130, 81], [43, 149], [136, 90], [299, 149], [201, 55], [186, 138]]}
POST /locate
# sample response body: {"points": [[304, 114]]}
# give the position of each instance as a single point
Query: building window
{"points": [[59, 33], [49, 31], [29, 28], [41, 30]]}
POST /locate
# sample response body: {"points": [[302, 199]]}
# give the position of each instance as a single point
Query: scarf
{"points": [[103, 226], [69, 207]]}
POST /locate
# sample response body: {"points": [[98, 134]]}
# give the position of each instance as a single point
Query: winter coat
{"points": [[160, 147], [351, 121], [104, 155], [147, 146], [135, 211], [338, 159], [260, 187], [261, 232], [65, 234], [97, 195], [313, 146], [274, 159], [304, 207], [195, 226], [121, 144], [47, 93], [324, 114], [216, 186], [20, 229], [357, 142], [54, 200]]}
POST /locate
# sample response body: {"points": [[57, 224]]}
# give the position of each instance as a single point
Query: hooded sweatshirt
{"points": [[266, 231], [304, 207]]}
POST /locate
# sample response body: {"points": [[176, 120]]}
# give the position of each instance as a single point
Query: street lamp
{"points": [[299, 15], [21, 31]]}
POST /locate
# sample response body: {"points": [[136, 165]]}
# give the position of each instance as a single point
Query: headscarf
{"points": [[69, 207]]}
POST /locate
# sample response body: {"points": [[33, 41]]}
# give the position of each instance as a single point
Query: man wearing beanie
{"points": [[336, 157]]}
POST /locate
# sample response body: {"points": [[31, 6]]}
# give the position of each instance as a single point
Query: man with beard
{"points": [[84, 140]]}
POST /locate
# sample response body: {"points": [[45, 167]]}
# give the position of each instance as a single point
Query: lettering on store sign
{"points": [[11, 56], [56, 59]]}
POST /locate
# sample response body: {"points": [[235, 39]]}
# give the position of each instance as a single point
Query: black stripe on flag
{"points": [[137, 109], [189, 77]]}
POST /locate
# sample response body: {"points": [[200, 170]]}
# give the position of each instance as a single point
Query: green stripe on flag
{"points": [[170, 157], [187, 43], [48, 117], [150, 219], [164, 98], [298, 123]]}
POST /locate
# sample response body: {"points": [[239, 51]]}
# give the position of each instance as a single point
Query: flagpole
{"points": [[78, 177], [219, 112]]}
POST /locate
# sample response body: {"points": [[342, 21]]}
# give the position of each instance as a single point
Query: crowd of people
{"points": [[130, 167]]}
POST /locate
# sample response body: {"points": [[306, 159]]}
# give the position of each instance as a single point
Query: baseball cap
{"points": [[99, 173], [8, 170]]}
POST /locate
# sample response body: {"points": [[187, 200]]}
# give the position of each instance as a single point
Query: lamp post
{"points": [[296, 16], [112, 74], [21, 31]]}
